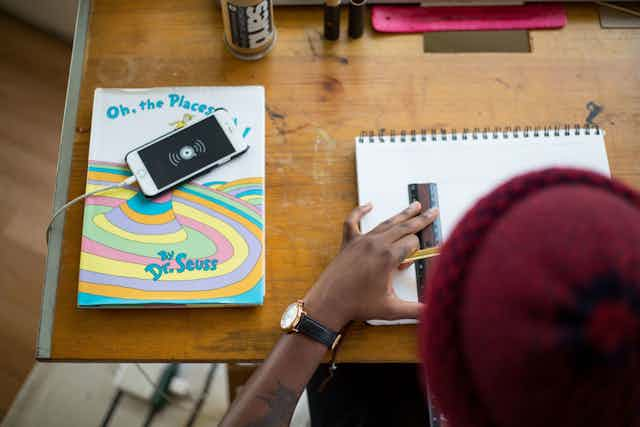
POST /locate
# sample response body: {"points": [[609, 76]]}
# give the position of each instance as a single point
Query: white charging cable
{"points": [[64, 207]]}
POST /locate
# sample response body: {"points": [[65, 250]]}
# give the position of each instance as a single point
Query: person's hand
{"points": [[357, 283]]}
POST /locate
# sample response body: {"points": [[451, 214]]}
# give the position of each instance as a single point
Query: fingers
{"points": [[405, 265], [412, 210], [400, 309], [404, 247], [413, 225], [351, 226]]}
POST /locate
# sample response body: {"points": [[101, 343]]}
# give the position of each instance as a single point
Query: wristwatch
{"points": [[296, 320]]}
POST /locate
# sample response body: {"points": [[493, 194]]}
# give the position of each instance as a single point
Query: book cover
{"points": [[200, 244]]}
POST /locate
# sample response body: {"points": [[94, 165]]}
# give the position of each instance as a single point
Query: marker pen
{"points": [[332, 19], [356, 18]]}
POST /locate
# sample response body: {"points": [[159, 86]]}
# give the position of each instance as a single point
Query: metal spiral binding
{"points": [[443, 135]]}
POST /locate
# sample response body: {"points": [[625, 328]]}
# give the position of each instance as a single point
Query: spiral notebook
{"points": [[464, 166]]}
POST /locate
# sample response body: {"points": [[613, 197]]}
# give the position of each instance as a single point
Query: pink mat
{"points": [[415, 19]]}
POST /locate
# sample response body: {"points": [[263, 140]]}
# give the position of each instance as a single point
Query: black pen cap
{"points": [[332, 21], [356, 18]]}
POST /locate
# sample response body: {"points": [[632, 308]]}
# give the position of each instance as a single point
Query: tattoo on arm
{"points": [[281, 403]]}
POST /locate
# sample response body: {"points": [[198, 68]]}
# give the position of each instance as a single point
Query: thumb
{"points": [[401, 309]]}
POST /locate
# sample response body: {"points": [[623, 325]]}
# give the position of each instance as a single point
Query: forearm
{"points": [[355, 286], [270, 396]]}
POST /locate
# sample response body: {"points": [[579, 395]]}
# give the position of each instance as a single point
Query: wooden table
{"points": [[319, 95]]}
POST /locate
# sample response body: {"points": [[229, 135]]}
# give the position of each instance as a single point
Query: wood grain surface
{"points": [[319, 96]]}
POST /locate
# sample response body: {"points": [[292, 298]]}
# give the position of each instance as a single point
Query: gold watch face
{"points": [[290, 316]]}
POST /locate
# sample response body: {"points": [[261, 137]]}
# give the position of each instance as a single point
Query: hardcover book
{"points": [[200, 244]]}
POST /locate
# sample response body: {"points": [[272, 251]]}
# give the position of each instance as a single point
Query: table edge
{"points": [[63, 171]]}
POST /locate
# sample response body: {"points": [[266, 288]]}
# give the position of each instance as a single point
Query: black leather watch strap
{"points": [[316, 331]]}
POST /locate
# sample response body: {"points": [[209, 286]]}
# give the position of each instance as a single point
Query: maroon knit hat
{"points": [[532, 313]]}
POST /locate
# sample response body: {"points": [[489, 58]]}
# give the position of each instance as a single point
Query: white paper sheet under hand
{"points": [[464, 171]]}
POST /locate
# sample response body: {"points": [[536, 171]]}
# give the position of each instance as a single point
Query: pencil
{"points": [[423, 254]]}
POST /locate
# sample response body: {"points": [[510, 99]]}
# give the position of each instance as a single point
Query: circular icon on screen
{"points": [[187, 152]]}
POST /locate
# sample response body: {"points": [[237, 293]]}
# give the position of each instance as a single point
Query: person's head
{"points": [[532, 313]]}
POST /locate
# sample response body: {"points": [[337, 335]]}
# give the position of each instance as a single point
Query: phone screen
{"points": [[185, 152]]}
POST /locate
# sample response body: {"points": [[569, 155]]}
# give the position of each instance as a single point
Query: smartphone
{"points": [[185, 153]]}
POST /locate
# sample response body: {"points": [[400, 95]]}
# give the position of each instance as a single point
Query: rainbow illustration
{"points": [[196, 245]]}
